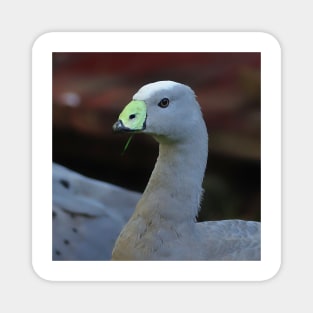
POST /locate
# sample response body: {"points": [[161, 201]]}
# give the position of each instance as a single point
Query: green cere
{"points": [[134, 115]]}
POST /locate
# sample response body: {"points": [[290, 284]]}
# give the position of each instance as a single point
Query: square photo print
{"points": [[148, 162]]}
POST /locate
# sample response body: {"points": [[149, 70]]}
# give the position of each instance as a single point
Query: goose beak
{"points": [[132, 118]]}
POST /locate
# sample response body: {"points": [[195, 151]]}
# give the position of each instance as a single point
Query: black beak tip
{"points": [[119, 127]]}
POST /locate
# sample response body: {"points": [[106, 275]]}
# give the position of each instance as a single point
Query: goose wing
{"points": [[88, 215]]}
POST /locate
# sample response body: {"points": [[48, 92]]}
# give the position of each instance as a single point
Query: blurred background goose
{"points": [[87, 215]]}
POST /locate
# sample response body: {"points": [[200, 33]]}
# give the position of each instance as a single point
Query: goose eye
{"points": [[164, 103]]}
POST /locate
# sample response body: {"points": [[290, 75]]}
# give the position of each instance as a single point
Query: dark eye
{"points": [[164, 103]]}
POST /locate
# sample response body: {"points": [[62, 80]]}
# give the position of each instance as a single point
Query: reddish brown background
{"points": [[90, 89]]}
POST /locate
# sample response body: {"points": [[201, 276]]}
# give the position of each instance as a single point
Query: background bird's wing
{"points": [[88, 215]]}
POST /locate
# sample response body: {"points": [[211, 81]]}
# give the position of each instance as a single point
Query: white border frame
{"points": [[270, 156]]}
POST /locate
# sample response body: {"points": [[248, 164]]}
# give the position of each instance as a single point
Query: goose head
{"points": [[166, 110]]}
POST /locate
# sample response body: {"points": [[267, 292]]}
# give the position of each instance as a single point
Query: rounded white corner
{"points": [[272, 40], [272, 272], [39, 273], [41, 40]]}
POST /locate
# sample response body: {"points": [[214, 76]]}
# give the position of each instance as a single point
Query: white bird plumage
{"points": [[163, 226]]}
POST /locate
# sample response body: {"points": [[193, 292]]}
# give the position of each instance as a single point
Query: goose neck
{"points": [[175, 186]]}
